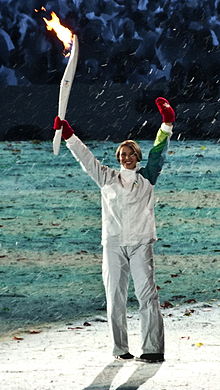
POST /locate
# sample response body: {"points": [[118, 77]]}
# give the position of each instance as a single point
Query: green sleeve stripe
{"points": [[161, 137], [155, 161], [159, 147]]}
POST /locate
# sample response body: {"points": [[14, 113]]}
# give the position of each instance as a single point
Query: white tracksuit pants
{"points": [[118, 263]]}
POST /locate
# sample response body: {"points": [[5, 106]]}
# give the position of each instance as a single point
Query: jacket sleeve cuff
{"points": [[166, 129], [71, 140]]}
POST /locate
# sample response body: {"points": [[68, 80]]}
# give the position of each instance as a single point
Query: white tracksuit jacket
{"points": [[127, 196]]}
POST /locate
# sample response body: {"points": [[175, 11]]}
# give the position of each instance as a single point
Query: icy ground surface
{"points": [[76, 356]]}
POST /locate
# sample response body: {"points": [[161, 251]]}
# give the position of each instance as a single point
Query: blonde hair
{"points": [[131, 144]]}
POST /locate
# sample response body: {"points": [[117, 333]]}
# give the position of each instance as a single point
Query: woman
{"points": [[128, 232]]}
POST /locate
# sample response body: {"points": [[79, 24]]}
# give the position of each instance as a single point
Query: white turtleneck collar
{"points": [[129, 175], [130, 170]]}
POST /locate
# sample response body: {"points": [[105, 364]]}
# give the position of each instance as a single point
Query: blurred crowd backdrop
{"points": [[167, 47]]}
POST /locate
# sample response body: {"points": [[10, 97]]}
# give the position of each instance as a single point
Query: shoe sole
{"points": [[123, 360], [148, 360]]}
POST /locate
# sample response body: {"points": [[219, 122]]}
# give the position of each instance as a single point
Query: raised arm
{"points": [[157, 154], [99, 173]]}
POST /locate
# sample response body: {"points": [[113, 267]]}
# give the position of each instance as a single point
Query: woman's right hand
{"points": [[67, 130]]}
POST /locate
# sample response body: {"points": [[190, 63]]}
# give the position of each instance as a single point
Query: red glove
{"points": [[67, 129], [167, 112]]}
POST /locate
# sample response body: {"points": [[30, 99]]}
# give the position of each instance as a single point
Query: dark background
{"points": [[130, 53]]}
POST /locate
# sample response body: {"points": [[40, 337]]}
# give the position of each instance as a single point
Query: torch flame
{"points": [[63, 33]]}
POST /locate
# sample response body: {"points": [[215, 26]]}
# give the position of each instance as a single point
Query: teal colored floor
{"points": [[50, 209]]}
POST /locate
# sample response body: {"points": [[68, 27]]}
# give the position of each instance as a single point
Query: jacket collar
{"points": [[128, 176]]}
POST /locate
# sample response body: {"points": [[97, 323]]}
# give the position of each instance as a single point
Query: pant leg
{"points": [[115, 271], [151, 320]]}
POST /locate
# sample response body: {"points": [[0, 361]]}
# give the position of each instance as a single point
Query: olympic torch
{"points": [[70, 41]]}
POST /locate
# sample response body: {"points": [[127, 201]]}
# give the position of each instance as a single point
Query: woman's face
{"points": [[127, 157]]}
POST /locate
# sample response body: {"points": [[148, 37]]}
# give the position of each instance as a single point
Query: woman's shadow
{"points": [[123, 376]]}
